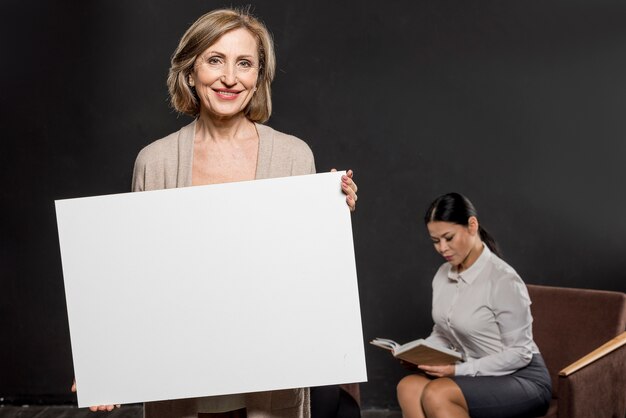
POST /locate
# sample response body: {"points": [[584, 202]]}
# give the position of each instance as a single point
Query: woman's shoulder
{"points": [[283, 141], [282, 154], [504, 278], [501, 267], [163, 148], [157, 150]]}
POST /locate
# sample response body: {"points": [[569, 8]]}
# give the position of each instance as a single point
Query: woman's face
{"points": [[225, 75], [453, 241]]}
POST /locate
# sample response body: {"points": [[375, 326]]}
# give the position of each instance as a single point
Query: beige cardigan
{"points": [[166, 164]]}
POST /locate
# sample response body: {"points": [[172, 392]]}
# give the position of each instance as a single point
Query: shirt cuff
{"points": [[465, 368]]}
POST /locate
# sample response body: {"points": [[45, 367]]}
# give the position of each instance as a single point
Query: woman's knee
{"points": [[441, 393], [411, 387]]}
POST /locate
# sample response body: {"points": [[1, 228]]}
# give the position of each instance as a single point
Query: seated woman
{"points": [[480, 308]]}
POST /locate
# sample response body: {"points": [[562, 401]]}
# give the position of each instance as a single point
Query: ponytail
{"points": [[489, 241]]}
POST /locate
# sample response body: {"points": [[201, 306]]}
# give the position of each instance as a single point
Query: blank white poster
{"points": [[210, 290]]}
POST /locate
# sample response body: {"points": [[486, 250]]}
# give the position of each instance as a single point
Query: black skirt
{"points": [[525, 393]]}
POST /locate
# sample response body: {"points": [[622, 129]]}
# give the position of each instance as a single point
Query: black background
{"points": [[520, 105]]}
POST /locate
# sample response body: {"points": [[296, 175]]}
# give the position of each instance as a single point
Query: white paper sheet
{"points": [[228, 288]]}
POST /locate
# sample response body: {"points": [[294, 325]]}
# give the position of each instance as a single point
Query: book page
{"points": [[385, 343]]}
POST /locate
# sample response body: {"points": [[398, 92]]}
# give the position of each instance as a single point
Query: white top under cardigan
{"points": [[484, 313]]}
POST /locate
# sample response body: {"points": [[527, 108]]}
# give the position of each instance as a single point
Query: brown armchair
{"points": [[580, 334]]}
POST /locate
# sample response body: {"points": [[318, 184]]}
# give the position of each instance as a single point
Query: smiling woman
{"points": [[220, 75]]}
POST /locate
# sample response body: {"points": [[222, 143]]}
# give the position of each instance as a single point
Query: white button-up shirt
{"points": [[484, 313]]}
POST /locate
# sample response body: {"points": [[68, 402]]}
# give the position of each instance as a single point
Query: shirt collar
{"points": [[469, 275]]}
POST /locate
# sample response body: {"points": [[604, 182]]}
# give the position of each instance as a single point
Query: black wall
{"points": [[520, 105]]}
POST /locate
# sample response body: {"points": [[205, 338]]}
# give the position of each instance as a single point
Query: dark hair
{"points": [[457, 209]]}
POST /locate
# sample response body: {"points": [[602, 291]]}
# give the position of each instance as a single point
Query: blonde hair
{"points": [[203, 33]]}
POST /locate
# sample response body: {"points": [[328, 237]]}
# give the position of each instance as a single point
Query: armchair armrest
{"points": [[599, 352], [595, 388]]}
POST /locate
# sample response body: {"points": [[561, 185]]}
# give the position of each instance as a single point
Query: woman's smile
{"points": [[227, 94]]}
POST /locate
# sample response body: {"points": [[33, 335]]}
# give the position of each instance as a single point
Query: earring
{"points": [[190, 81]]}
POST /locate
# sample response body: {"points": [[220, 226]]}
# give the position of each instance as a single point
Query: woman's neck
{"points": [[224, 130], [471, 257]]}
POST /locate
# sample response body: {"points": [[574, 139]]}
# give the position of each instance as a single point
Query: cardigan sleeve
{"points": [[139, 175], [303, 159]]}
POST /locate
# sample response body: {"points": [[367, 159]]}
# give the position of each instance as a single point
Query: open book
{"points": [[419, 352]]}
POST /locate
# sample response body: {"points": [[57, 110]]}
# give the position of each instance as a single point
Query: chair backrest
{"points": [[569, 323]]}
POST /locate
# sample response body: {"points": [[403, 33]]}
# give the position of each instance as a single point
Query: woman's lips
{"points": [[227, 94]]}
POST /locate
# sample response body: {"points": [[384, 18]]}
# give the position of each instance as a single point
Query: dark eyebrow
{"points": [[446, 235]]}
